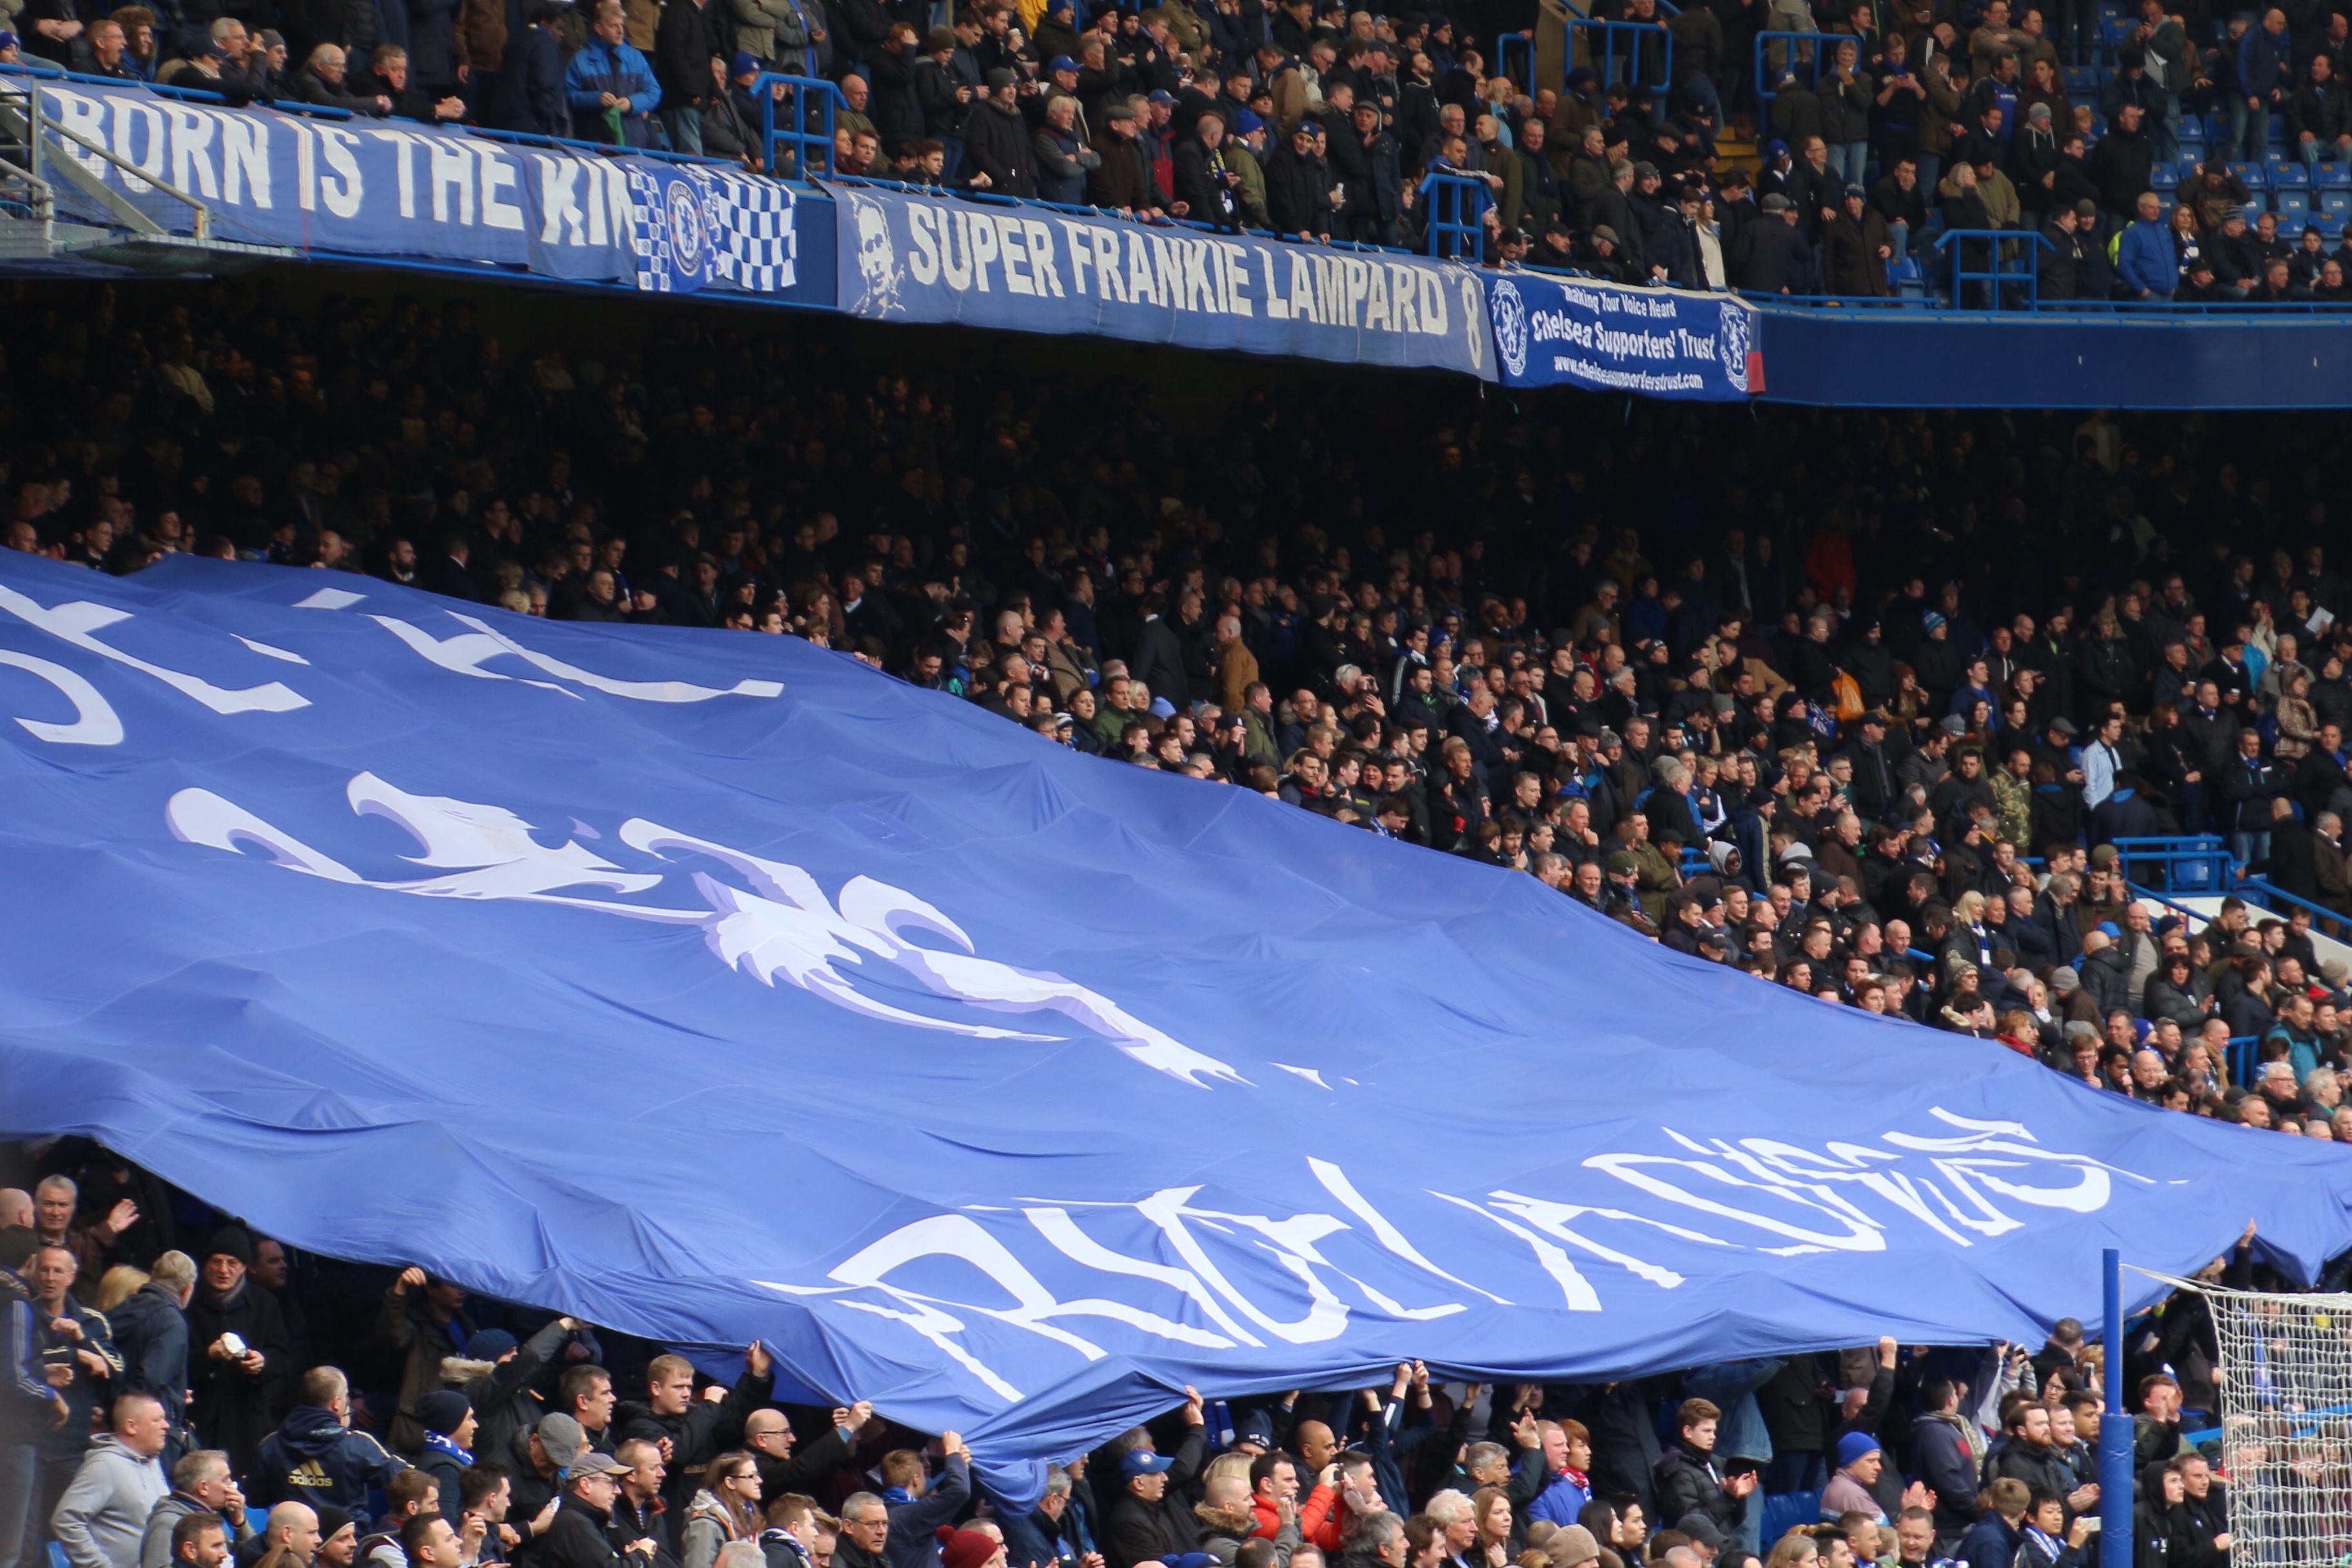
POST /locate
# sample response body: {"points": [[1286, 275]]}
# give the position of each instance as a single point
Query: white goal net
{"points": [[2286, 1426]]}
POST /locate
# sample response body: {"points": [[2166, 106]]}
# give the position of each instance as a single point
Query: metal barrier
{"points": [[1511, 47], [806, 95], [1454, 233], [1998, 279], [2196, 863], [1778, 52], [1645, 49], [2267, 896]]}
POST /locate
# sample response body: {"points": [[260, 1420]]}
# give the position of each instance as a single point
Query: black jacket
{"points": [[1159, 662], [699, 1435], [1002, 146], [1298, 193], [684, 42], [232, 1408], [153, 1337], [1687, 1482], [314, 1459], [578, 1539]]}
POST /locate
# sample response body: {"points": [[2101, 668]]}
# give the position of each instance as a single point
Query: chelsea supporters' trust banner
{"points": [[712, 987], [1038, 270], [1605, 337]]}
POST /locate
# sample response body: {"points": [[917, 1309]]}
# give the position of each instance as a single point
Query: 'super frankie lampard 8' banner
{"points": [[1661, 343], [921, 258], [396, 189]]}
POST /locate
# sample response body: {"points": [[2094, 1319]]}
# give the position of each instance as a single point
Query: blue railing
{"points": [[1637, 54], [2200, 864], [1457, 228], [808, 146], [2001, 245], [1510, 47], [1777, 52]]}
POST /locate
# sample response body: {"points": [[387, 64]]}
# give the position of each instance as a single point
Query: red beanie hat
{"points": [[964, 1547]]}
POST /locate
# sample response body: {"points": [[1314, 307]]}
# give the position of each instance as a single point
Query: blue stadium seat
{"points": [[2336, 176], [2189, 165], [2290, 226], [2336, 205], [2278, 130], [2081, 82], [2289, 177], [2255, 176], [58, 1558], [1785, 1510], [2257, 202]]}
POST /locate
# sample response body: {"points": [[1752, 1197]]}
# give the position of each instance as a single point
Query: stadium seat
{"points": [[2295, 205], [2292, 176], [2336, 205], [2082, 82], [1783, 1511], [2325, 175], [2255, 175], [2257, 202]]}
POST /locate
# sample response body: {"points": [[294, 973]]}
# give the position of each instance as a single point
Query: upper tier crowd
{"points": [[1308, 120]]}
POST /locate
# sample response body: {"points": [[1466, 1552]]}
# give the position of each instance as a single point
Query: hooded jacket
{"points": [[152, 1336], [102, 1517], [314, 1459]]}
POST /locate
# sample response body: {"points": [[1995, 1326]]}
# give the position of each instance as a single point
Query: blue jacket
{"points": [[2144, 259], [621, 71], [314, 1459], [2261, 64], [1990, 1542]]}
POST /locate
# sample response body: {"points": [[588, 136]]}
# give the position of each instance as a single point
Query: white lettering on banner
{"points": [[452, 169], [343, 192], [136, 123], [924, 265], [244, 160], [404, 171], [95, 722], [84, 120], [77, 621], [1196, 1286], [497, 175], [562, 220], [192, 143], [1042, 267], [982, 233]]}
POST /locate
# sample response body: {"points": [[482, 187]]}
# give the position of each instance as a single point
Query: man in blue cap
{"points": [[1149, 1522]]}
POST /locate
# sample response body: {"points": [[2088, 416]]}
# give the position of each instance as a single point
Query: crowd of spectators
{"points": [[234, 1401], [1305, 119], [1855, 703]]}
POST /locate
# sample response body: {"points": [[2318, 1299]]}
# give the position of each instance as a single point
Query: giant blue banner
{"points": [[398, 190], [1605, 337], [712, 985], [1039, 269]]}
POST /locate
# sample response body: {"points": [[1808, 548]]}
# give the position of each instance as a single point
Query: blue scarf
{"points": [[440, 1444]]}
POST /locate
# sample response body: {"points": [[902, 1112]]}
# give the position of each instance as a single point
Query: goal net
{"points": [[2285, 1390]]}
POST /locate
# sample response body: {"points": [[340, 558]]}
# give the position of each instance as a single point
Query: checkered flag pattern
{"points": [[755, 239]]}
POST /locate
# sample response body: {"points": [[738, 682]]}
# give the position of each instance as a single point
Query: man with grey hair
{"points": [[201, 1484], [1378, 1538]]}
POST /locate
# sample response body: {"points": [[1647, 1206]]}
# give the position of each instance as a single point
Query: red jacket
{"points": [[1319, 1519]]}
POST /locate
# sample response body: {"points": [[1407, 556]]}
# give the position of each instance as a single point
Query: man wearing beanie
{"points": [[1849, 1491], [241, 1360], [338, 1536], [448, 1418], [314, 1457], [968, 1548]]}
